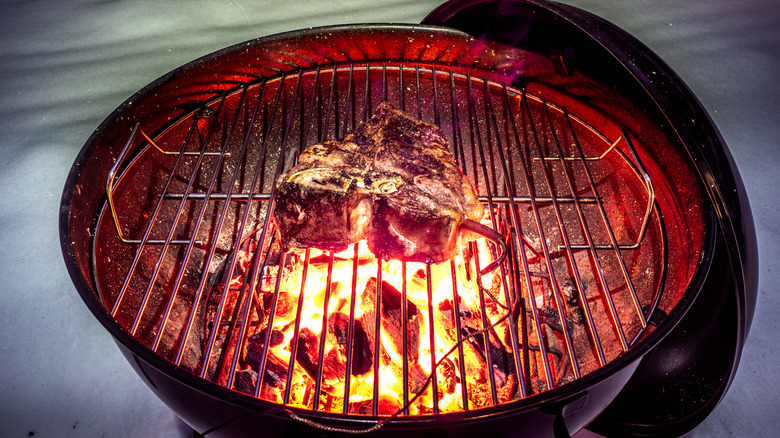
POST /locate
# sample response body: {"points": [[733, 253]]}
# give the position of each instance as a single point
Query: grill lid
{"points": [[688, 392]]}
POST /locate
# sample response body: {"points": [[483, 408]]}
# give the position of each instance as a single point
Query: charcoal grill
{"points": [[597, 172]]}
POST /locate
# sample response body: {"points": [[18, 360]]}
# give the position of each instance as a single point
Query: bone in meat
{"points": [[392, 182]]}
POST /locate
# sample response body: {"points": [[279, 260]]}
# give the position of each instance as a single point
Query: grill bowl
{"points": [[214, 409]]}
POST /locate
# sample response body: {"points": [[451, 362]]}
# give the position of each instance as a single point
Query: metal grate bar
{"points": [[377, 337], [350, 330], [297, 331], [233, 257], [509, 185], [432, 340], [221, 222], [545, 250], [487, 327], [109, 190], [321, 354], [169, 237], [481, 148], [588, 236], [266, 223], [513, 297], [405, 338], [246, 306], [459, 337], [553, 279], [495, 199], [198, 222], [112, 181], [610, 231]]}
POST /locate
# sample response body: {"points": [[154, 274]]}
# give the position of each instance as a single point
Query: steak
{"points": [[392, 182]]}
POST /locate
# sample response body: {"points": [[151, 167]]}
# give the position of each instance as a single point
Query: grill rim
{"points": [[84, 285], [103, 216]]}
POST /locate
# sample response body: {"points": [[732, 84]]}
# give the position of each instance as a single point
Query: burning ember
{"points": [[317, 338]]}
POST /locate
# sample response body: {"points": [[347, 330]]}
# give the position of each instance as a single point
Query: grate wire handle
{"points": [[642, 173], [112, 179]]}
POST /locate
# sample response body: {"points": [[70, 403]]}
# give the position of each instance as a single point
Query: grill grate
{"points": [[190, 206]]}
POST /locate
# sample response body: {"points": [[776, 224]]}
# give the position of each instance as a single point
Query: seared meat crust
{"points": [[393, 182]]}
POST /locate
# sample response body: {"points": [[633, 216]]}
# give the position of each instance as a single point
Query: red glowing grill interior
{"points": [[187, 259]]}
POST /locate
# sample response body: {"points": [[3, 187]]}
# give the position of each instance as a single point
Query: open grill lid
{"points": [[613, 56]]}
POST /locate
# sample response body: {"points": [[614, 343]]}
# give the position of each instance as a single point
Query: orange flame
{"points": [[326, 283]]}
